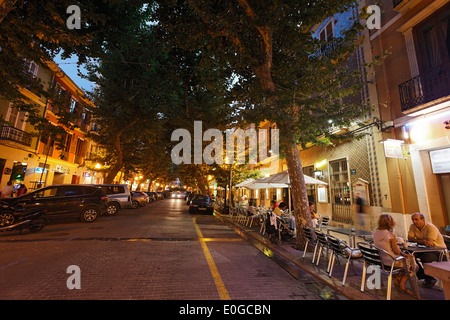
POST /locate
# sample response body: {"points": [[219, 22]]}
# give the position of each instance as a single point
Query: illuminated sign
{"points": [[393, 148], [440, 160]]}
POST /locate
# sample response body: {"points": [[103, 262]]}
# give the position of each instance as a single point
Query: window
{"points": [[67, 142], [33, 69], [433, 42], [113, 189], [15, 117], [80, 147], [72, 191], [50, 192], [73, 104], [339, 186], [326, 34]]}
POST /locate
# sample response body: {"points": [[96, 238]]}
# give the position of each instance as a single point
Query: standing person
{"points": [[314, 215], [384, 238], [427, 234], [360, 209], [7, 191], [22, 190]]}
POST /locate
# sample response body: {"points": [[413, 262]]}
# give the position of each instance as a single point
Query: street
{"points": [[157, 252]]}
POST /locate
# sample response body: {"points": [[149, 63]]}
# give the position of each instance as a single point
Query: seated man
{"points": [[427, 234]]}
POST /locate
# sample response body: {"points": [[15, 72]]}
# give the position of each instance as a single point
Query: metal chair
{"points": [[309, 240], [322, 243], [340, 249], [372, 256], [324, 222]]}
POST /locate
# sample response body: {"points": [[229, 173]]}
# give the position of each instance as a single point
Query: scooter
{"points": [[16, 218]]}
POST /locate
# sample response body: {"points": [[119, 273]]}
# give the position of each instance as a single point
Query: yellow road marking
{"points": [[212, 266]]}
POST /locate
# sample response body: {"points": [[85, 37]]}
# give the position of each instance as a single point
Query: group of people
{"points": [[420, 232], [8, 190]]}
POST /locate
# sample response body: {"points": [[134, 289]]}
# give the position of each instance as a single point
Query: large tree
{"points": [[281, 73]]}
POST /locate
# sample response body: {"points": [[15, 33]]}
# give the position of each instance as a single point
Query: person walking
{"points": [[7, 191]]}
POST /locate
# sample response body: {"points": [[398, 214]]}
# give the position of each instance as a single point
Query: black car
{"points": [[88, 202], [201, 203]]}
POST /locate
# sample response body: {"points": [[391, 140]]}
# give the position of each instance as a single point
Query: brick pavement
{"points": [[149, 253]]}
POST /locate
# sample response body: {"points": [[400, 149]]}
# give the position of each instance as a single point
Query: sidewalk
{"points": [[354, 275]]}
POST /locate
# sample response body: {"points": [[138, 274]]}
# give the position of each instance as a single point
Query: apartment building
{"points": [[33, 159], [413, 88]]}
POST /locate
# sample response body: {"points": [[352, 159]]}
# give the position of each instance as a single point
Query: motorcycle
{"points": [[16, 218]]}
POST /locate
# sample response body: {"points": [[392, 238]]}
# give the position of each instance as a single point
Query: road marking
{"points": [[12, 263], [212, 266]]}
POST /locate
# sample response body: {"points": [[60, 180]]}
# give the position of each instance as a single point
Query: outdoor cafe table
{"points": [[351, 233], [413, 249]]}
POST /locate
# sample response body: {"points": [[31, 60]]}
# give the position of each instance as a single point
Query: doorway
{"points": [[445, 182], [58, 178]]}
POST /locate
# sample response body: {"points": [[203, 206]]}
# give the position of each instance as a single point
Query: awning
{"points": [[281, 180]]}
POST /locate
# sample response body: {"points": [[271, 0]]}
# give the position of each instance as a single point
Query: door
{"points": [[44, 198], [72, 199], [445, 181]]}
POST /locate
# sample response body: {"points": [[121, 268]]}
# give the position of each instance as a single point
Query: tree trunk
{"points": [[298, 187], [117, 144]]}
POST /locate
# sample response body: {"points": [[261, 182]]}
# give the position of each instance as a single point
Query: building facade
{"points": [[35, 160], [413, 86]]}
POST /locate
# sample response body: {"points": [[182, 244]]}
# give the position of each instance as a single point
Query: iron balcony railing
{"points": [[12, 134], [425, 88]]}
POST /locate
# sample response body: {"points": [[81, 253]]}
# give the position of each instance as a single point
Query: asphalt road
{"points": [[157, 252]]}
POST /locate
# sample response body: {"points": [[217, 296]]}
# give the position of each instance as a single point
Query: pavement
{"points": [[351, 290]]}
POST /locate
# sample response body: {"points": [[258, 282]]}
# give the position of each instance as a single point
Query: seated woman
{"points": [[384, 238]]}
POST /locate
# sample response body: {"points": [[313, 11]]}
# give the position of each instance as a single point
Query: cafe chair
{"points": [[324, 222], [322, 243], [310, 239], [340, 249], [372, 256]]}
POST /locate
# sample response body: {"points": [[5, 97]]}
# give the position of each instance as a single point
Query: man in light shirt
{"points": [[425, 233]]}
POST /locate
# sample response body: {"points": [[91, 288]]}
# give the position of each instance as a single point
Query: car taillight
{"points": [[104, 198]]}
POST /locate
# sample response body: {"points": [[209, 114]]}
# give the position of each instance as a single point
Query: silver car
{"points": [[119, 197]]}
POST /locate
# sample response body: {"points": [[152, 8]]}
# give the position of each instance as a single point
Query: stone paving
{"points": [[150, 253]]}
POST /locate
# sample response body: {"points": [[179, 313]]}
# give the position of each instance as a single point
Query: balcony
{"points": [[425, 88], [15, 136]]}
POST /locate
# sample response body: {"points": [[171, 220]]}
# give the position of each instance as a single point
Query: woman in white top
{"points": [[384, 238]]}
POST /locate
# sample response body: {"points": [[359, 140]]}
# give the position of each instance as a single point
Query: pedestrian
{"points": [[359, 203], [7, 191], [425, 233], [22, 190]]}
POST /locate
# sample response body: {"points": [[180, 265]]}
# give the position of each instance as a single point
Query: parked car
{"points": [[119, 197], [201, 203], [150, 196], [138, 198], [160, 195], [190, 197], [86, 201]]}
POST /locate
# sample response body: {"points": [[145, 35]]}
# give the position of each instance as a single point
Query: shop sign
{"points": [[61, 169], [440, 160], [393, 148]]}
